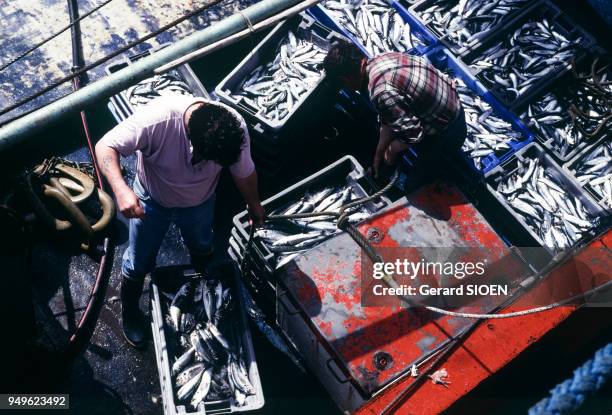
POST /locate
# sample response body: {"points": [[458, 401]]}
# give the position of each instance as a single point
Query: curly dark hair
{"points": [[215, 134], [343, 59]]}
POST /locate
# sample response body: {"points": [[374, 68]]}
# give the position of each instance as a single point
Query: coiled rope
{"points": [[567, 396]]}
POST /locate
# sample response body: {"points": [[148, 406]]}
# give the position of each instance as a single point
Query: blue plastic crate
{"points": [[444, 60], [418, 29]]}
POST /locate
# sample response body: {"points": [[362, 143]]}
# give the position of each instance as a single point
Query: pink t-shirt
{"points": [[157, 134]]}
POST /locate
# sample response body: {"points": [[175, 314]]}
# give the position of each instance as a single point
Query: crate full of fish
{"points": [[528, 52], [179, 81], [280, 75], [340, 183], [204, 351], [546, 201], [493, 133], [376, 26], [462, 24], [575, 111], [593, 170]]}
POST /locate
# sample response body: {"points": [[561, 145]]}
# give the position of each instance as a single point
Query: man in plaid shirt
{"points": [[418, 106]]}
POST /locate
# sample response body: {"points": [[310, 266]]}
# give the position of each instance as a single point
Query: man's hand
{"points": [[383, 142], [257, 214], [127, 201], [248, 188], [129, 204], [394, 149]]}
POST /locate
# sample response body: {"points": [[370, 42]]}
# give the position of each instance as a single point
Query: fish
{"points": [[203, 388], [183, 360], [189, 373], [179, 303], [209, 346], [275, 89], [594, 170], [556, 216], [189, 387], [287, 237], [169, 83], [549, 115], [515, 64], [238, 376], [463, 22], [487, 133], [377, 26]]}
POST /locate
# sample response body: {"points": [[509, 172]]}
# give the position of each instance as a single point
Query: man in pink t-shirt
{"points": [[181, 144]]}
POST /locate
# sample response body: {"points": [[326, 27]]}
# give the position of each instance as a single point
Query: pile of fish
{"points": [[595, 170], [287, 238], [550, 114], [519, 60], [375, 23], [463, 21], [210, 364], [486, 132], [557, 217], [274, 89], [170, 83]]}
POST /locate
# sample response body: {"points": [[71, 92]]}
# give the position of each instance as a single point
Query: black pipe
{"points": [[78, 61]]}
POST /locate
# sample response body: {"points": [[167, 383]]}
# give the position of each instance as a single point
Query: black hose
{"points": [[87, 323]]}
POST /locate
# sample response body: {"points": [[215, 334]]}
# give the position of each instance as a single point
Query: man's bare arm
{"points": [[127, 201], [248, 189]]}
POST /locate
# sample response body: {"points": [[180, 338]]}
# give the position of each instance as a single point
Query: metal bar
{"points": [[237, 36], [22, 129]]}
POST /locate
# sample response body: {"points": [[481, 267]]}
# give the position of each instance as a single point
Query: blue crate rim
{"points": [[473, 84], [319, 12]]}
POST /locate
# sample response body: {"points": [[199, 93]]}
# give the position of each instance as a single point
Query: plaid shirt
{"points": [[411, 96]]}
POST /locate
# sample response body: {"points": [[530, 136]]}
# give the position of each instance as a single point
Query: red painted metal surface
{"points": [[497, 342], [325, 284]]}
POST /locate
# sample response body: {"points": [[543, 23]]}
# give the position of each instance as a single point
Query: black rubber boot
{"points": [[132, 319]]}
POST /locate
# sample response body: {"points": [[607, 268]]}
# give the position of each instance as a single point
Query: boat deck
{"points": [[110, 377]]}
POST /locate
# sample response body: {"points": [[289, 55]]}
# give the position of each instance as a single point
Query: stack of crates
{"points": [[260, 263], [275, 142]]}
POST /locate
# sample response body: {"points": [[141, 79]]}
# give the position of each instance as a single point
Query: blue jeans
{"points": [[147, 233], [434, 152]]}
